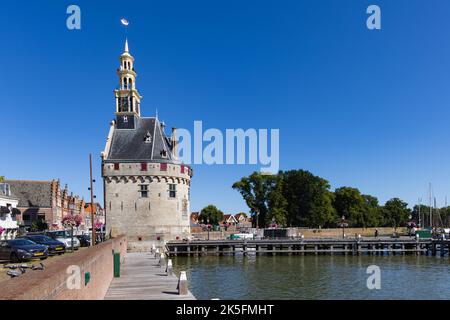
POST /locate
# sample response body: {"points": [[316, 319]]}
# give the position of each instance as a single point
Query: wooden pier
{"points": [[143, 279], [370, 246]]}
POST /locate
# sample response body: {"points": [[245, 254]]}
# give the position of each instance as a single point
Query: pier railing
{"points": [[310, 246]]}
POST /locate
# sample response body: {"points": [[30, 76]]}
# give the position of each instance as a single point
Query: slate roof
{"points": [[130, 144], [32, 193]]}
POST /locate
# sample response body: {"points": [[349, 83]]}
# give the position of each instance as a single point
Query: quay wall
{"points": [[309, 233], [58, 280]]}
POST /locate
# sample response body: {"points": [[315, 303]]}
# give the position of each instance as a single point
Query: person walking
{"points": [[376, 233]]}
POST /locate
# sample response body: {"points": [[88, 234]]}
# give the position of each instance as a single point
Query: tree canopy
{"points": [[210, 214], [297, 198]]}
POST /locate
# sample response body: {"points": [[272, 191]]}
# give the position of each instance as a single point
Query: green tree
{"points": [[349, 202], [360, 210], [277, 202], [39, 225], [243, 214], [255, 190], [373, 212], [2, 178], [212, 214], [445, 215], [424, 214], [309, 200], [396, 213]]}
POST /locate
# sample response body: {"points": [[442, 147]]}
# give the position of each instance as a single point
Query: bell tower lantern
{"points": [[128, 99]]}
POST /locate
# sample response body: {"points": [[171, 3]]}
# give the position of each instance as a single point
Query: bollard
{"points": [[157, 254], [169, 270], [182, 284], [161, 260]]}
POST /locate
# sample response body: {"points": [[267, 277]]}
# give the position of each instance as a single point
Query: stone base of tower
{"points": [[144, 237]]}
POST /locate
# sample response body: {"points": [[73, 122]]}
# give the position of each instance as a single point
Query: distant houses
{"points": [[229, 222], [43, 204]]}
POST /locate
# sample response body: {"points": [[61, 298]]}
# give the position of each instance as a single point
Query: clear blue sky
{"points": [[360, 108]]}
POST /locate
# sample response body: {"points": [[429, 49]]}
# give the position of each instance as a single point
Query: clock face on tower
{"points": [[125, 121]]}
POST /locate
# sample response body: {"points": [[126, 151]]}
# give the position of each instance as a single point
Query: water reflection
{"points": [[315, 277]]}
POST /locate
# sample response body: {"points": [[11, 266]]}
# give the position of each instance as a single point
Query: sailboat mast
{"points": [[431, 208], [420, 225]]}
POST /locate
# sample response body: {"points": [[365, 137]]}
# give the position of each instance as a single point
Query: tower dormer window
{"points": [[163, 153], [148, 138]]}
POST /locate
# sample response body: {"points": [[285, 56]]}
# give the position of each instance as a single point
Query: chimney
{"points": [[174, 143]]}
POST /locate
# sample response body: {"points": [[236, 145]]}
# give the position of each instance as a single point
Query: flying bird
{"points": [[124, 22]]}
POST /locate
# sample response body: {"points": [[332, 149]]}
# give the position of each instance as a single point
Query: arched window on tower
{"points": [[124, 64], [125, 85], [131, 83]]}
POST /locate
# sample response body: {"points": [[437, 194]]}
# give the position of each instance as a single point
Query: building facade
{"points": [[45, 202], [146, 188], [99, 213], [8, 213]]}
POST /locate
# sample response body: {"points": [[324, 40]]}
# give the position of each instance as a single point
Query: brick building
{"points": [[45, 201]]}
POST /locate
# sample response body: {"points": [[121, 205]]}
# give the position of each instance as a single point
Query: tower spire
{"points": [[128, 99], [126, 45]]}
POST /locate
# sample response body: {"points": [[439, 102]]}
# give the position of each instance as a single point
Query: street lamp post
{"points": [[343, 227], [93, 206], [71, 207]]}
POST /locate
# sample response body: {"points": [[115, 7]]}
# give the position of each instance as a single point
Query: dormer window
{"points": [[163, 153], [148, 138], [5, 189]]}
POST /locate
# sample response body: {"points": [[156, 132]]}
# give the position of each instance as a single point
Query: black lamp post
{"points": [[343, 227]]}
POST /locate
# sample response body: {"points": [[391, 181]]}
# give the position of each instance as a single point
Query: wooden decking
{"points": [[142, 279]]}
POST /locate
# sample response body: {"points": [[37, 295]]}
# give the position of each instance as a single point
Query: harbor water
{"points": [[315, 277]]}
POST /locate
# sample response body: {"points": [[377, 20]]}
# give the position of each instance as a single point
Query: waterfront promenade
{"points": [[142, 279]]}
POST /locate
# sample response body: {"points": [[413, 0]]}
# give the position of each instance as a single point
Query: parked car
{"points": [[64, 237], [55, 247], [18, 250], [85, 240]]}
